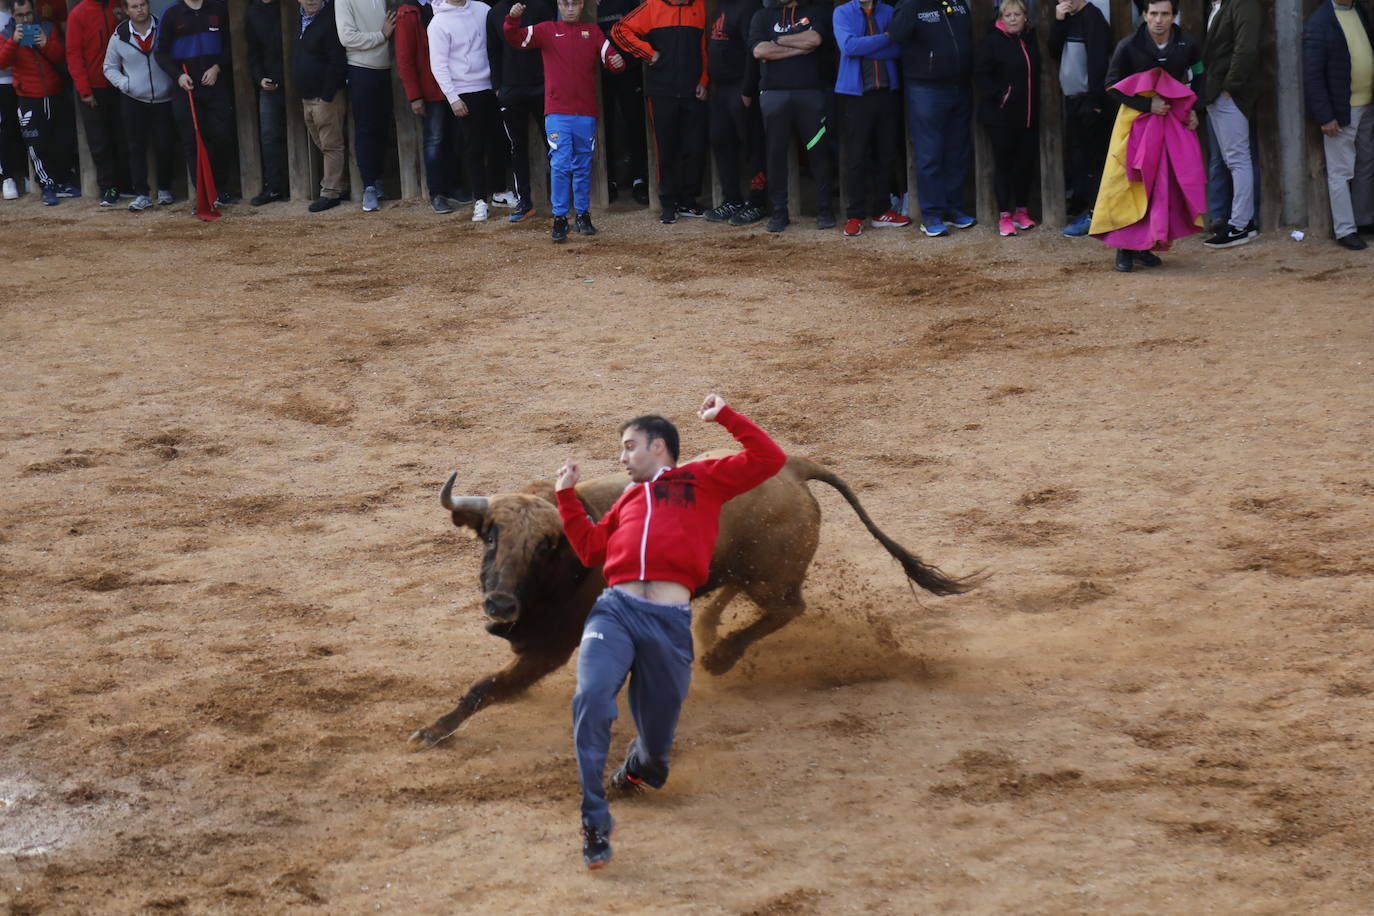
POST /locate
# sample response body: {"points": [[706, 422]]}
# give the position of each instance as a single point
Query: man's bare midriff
{"points": [[656, 590]]}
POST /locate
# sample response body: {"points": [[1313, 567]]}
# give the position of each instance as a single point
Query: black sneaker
{"points": [[109, 197], [226, 199], [266, 197], [584, 224], [747, 215], [439, 204], [560, 228], [778, 221], [1228, 238], [1352, 242], [1251, 229], [668, 216], [1125, 262], [640, 192], [596, 845], [723, 213], [625, 782], [691, 208], [1147, 259], [825, 220], [320, 204]]}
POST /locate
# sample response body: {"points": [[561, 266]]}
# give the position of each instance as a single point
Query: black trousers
{"points": [[272, 140], [1015, 155], [105, 138], [872, 131], [369, 96], [13, 161], [736, 135], [623, 110], [799, 112], [679, 126], [215, 113], [1087, 134], [481, 142], [41, 123], [145, 124], [519, 107]]}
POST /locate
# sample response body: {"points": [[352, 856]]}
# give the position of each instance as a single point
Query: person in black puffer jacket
{"points": [[1007, 74]]}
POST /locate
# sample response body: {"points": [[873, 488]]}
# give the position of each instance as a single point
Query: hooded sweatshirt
{"points": [[132, 70], [458, 48], [89, 28]]}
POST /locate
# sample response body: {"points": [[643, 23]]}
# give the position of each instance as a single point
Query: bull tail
{"points": [[931, 578]]}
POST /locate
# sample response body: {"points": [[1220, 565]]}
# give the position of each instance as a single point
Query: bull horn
{"points": [[462, 503]]}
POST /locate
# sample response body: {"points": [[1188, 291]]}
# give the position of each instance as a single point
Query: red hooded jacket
{"points": [[89, 28], [37, 71], [412, 55]]}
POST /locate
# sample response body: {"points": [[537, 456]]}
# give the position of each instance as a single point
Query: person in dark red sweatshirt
{"points": [[33, 49], [89, 28], [427, 100], [654, 546]]}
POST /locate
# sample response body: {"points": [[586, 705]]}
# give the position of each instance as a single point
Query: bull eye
{"points": [[490, 536]]}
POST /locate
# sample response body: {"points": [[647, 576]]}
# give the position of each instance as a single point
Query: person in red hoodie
{"points": [[89, 27], [654, 546], [427, 100], [33, 48]]}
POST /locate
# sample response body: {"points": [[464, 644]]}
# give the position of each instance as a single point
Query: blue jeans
{"points": [[572, 140], [940, 120], [438, 129], [652, 644]]}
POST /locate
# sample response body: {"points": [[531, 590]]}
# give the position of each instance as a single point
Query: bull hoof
{"points": [[426, 738], [717, 661]]}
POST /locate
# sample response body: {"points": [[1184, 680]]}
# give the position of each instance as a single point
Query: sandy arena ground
{"points": [[229, 593]]}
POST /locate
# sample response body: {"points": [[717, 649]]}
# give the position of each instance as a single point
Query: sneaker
{"points": [[479, 211], [109, 197], [370, 203], [226, 199], [747, 215], [934, 227], [560, 228], [460, 196], [691, 208], [68, 190], [320, 204], [1080, 226], [1352, 242], [1124, 260], [164, 198], [626, 783], [890, 220], [612, 191], [596, 845], [140, 203], [961, 220], [267, 197], [778, 221], [1251, 229], [505, 199], [825, 220], [723, 213], [640, 192], [1148, 259], [522, 212], [1005, 226], [1228, 238], [439, 204], [853, 227], [11, 190], [584, 224], [668, 216], [1021, 219], [50, 196]]}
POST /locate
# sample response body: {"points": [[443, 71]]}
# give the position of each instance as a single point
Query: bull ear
{"points": [[468, 511]]}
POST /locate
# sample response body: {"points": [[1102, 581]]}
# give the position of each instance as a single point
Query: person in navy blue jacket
{"points": [[866, 87], [1336, 83]]}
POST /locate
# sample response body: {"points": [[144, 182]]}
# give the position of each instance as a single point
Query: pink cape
{"points": [[1163, 155]]}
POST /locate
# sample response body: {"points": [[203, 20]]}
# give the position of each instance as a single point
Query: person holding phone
{"points": [[32, 48], [262, 26]]}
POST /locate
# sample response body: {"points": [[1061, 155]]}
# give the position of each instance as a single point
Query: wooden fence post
{"points": [[1290, 174], [1051, 128], [245, 100], [985, 201]]}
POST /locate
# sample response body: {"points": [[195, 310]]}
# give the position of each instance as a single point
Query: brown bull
{"points": [[536, 593]]}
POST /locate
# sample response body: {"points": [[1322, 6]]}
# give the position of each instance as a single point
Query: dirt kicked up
{"points": [[229, 594]]}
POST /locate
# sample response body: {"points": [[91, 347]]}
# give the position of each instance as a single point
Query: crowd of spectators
{"points": [[741, 85]]}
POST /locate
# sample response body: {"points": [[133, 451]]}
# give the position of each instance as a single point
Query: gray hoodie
{"points": [[133, 72]]}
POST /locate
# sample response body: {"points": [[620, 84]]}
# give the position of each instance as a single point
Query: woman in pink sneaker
{"points": [[1006, 72]]}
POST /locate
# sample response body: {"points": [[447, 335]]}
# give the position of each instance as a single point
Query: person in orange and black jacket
{"points": [[89, 27], [33, 49], [670, 36], [426, 100], [518, 75], [1006, 72]]}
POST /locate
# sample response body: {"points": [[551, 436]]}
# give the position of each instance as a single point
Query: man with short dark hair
{"points": [[89, 27], [320, 67], [1231, 90], [654, 546], [193, 49], [32, 48], [145, 102]]}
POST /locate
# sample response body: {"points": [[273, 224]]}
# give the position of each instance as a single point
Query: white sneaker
{"points": [[142, 202], [505, 199], [11, 190], [479, 211], [164, 198]]}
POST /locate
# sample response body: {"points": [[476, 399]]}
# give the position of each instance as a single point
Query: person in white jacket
{"points": [[145, 102], [458, 58], [365, 28]]}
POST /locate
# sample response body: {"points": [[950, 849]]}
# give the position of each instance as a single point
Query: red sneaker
{"points": [[890, 220], [1021, 219], [853, 227], [1005, 226]]}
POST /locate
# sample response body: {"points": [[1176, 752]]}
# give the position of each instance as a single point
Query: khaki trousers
{"points": [[325, 122]]}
